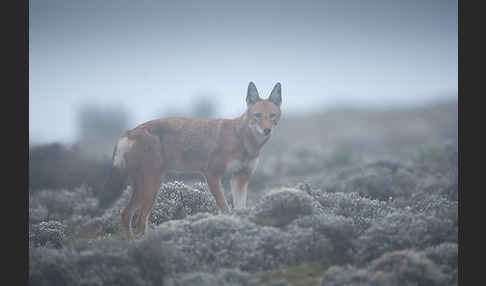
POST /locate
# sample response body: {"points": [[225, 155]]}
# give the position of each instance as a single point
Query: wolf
{"points": [[211, 146]]}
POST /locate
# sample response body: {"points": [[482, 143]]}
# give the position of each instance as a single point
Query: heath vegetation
{"points": [[342, 197]]}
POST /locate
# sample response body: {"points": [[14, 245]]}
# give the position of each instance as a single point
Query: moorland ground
{"points": [[341, 197]]}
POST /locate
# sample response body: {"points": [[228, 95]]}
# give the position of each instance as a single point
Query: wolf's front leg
{"points": [[214, 183], [239, 185]]}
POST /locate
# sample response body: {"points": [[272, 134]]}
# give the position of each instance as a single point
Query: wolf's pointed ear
{"points": [[252, 96], [276, 95]]}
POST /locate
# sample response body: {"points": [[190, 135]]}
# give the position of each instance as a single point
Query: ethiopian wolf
{"points": [[211, 146]]}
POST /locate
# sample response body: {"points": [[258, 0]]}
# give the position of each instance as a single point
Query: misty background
{"points": [[133, 61], [358, 182]]}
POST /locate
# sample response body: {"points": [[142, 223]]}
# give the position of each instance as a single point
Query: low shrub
{"points": [[405, 267], [48, 233], [402, 230], [281, 206], [380, 180], [362, 211]]}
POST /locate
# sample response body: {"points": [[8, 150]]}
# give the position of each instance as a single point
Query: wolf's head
{"points": [[263, 114]]}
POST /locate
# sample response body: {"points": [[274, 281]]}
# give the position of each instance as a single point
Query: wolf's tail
{"points": [[115, 182]]}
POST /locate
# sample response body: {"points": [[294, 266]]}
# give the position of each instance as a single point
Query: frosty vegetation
{"points": [[347, 215]]}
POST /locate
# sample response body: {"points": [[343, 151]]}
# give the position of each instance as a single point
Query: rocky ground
{"points": [[349, 213]]}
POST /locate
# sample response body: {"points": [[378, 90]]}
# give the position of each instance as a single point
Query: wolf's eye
{"points": [[257, 115]]}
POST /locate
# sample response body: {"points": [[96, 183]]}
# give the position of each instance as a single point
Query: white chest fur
{"points": [[235, 166]]}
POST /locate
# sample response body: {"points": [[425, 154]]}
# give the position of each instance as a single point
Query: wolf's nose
{"points": [[267, 131]]}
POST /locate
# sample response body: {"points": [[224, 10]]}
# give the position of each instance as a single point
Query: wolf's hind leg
{"points": [[129, 211], [150, 187]]}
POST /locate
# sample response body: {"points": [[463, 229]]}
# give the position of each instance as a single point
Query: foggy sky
{"points": [[152, 56]]}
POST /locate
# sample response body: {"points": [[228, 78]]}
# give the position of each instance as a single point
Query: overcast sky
{"points": [[152, 56]]}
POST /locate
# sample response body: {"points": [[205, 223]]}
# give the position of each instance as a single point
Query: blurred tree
{"points": [[203, 106], [99, 127]]}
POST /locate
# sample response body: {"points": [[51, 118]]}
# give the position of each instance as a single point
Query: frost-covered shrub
{"points": [[406, 268], [197, 279], [214, 241], [108, 222], [362, 211], [234, 277], [440, 185], [281, 206], [48, 233], [346, 276], [61, 204], [380, 180], [302, 245], [49, 266], [440, 163], [99, 262], [176, 200], [445, 256], [219, 241], [435, 205], [402, 230], [396, 268], [337, 232], [37, 212], [440, 159], [157, 259], [99, 267]]}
